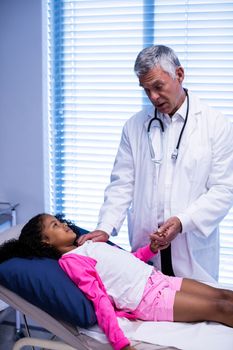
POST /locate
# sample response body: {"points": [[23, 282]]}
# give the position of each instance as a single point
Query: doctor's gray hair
{"points": [[154, 56]]}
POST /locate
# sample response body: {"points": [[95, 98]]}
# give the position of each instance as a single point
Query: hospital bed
{"points": [[39, 289], [69, 337], [67, 333], [8, 218]]}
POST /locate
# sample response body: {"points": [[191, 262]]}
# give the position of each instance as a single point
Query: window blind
{"points": [[92, 90]]}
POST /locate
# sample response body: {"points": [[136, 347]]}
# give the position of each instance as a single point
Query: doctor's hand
{"points": [[168, 231], [95, 236]]}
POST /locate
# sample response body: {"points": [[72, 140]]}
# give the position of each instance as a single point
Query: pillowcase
{"points": [[43, 283]]}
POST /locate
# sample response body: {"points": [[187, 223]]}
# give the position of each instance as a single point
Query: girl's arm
{"points": [[147, 252], [82, 272]]}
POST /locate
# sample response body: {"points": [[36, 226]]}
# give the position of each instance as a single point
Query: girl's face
{"points": [[58, 234]]}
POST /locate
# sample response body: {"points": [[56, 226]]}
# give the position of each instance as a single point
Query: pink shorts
{"points": [[158, 298]]}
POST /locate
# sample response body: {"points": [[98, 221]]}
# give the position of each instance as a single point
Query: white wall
{"points": [[21, 133]]}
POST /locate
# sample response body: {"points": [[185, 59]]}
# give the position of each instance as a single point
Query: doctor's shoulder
{"points": [[138, 120], [216, 119], [205, 109]]}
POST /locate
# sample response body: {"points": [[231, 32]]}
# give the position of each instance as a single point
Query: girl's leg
{"points": [[190, 307], [198, 288]]}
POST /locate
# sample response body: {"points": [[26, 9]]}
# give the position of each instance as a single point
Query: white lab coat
{"points": [[201, 195]]}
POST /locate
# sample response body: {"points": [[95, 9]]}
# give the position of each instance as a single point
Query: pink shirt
{"points": [[82, 270]]}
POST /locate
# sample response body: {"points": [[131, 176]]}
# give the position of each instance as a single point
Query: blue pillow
{"points": [[43, 283]]}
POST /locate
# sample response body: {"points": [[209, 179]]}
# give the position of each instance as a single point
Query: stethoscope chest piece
{"points": [[175, 154]]}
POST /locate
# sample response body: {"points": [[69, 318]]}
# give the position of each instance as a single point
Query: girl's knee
{"points": [[223, 306], [224, 294]]}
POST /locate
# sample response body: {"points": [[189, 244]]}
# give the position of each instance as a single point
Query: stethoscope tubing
{"points": [[176, 150]]}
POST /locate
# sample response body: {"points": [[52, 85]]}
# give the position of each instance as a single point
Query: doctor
{"points": [[173, 173]]}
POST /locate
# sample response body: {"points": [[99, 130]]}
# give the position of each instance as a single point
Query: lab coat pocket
{"points": [[201, 173], [197, 164], [191, 177]]}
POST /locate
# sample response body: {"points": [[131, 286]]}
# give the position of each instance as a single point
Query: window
{"points": [[92, 46]]}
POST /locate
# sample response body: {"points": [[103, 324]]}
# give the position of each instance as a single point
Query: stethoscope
{"points": [[176, 150]]}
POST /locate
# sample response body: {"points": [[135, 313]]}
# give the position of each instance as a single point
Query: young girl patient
{"points": [[120, 283]]}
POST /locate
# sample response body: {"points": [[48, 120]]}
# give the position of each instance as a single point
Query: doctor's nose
{"points": [[153, 96]]}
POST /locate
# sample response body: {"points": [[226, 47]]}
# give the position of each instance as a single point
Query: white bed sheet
{"points": [[183, 336]]}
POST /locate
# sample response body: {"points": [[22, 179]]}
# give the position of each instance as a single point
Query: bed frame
{"points": [[69, 337]]}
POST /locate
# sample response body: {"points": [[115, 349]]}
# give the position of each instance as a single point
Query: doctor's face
{"points": [[165, 93]]}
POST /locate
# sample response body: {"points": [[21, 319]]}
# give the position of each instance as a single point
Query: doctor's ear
{"points": [[180, 74]]}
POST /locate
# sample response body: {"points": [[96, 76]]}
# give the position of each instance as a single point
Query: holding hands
{"points": [[155, 246], [166, 233]]}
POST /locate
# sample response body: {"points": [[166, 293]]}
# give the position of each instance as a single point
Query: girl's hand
{"points": [[164, 246], [155, 245]]}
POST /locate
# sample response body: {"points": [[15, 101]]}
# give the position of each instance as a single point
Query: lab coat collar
{"points": [[194, 114], [150, 114]]}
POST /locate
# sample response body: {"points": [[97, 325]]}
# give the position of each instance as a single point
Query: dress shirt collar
{"points": [[181, 112]]}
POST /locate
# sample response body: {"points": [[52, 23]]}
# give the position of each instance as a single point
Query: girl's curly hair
{"points": [[29, 244]]}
